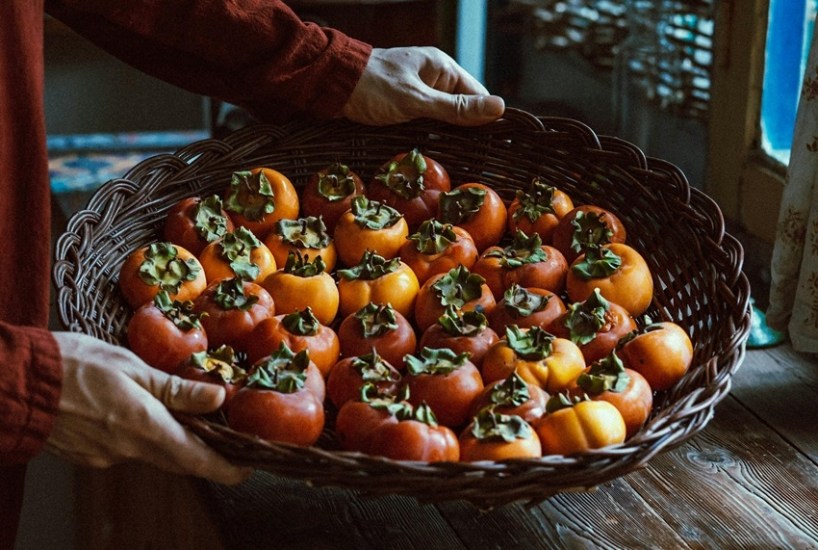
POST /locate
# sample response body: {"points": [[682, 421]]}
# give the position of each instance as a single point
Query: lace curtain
{"points": [[794, 286]]}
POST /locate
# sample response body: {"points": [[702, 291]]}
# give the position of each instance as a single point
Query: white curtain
{"points": [[794, 286]]}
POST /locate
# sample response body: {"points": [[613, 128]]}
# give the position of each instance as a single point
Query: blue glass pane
{"points": [[788, 36]]}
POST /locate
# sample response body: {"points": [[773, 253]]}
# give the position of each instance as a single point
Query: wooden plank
{"points": [[780, 386], [273, 512], [137, 506], [613, 516], [737, 484]]}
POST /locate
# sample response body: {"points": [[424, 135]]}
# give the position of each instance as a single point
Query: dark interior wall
{"points": [[565, 84], [89, 91]]}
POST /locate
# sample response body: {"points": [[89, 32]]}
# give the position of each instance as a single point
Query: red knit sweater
{"points": [[253, 53]]}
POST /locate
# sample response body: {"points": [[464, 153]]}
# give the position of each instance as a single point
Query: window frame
{"points": [[746, 183]]}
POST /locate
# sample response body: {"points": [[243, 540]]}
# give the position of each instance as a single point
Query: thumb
{"points": [[470, 109], [179, 394]]}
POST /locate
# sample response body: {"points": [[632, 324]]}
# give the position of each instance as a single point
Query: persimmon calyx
{"points": [[523, 250], [598, 263], [162, 267], [376, 319], [282, 371], [229, 294], [563, 401], [458, 287], [250, 195], [237, 248], [435, 361], [457, 322], [535, 202], [221, 362], [301, 323], [208, 220], [532, 344], [489, 425], [404, 177], [511, 392], [373, 215], [522, 302], [585, 319], [336, 183], [372, 266], [607, 374], [374, 368], [307, 232], [459, 205], [589, 231], [181, 314], [301, 266], [433, 237]]}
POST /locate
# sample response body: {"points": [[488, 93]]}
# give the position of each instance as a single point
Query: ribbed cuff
{"points": [[30, 391]]}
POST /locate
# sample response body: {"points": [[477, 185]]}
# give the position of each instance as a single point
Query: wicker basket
{"points": [[679, 230]]}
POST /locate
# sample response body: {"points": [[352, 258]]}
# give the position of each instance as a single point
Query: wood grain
{"points": [[748, 480]]}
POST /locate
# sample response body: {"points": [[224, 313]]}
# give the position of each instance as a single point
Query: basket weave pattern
{"points": [[680, 232]]}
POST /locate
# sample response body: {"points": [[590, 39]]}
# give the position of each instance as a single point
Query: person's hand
{"points": [[401, 84], [114, 408]]}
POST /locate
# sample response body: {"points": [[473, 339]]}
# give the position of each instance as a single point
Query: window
{"points": [[789, 33]]}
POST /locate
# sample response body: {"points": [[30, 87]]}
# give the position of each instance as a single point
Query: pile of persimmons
{"points": [[433, 320]]}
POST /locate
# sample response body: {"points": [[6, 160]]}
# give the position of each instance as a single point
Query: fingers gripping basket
{"points": [[695, 264]]}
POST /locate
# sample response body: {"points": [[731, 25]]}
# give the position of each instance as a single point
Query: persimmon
{"points": [[158, 267], [662, 353], [348, 376], [478, 209], [376, 279], [627, 390], [584, 227], [302, 283], [237, 254], [277, 402], [537, 356], [619, 272], [329, 193], [307, 236], [256, 199], [573, 426], [514, 396], [538, 210], [369, 225], [299, 331], [381, 328], [437, 248], [526, 262], [230, 309], [462, 332], [194, 222], [411, 183], [526, 307], [495, 436], [459, 288], [595, 324], [165, 332], [446, 381]]}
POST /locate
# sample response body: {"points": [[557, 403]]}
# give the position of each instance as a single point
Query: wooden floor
{"points": [[748, 480]]}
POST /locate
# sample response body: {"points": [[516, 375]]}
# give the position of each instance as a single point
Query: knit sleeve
{"points": [[253, 53], [30, 382]]}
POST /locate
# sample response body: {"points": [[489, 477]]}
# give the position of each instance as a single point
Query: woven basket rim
{"points": [[485, 484]]}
